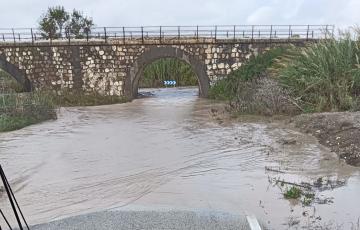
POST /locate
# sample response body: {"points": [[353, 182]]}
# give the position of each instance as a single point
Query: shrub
{"points": [[293, 193], [229, 87], [324, 76]]}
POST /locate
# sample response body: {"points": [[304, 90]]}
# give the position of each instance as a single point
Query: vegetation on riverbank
{"points": [[252, 89], [323, 76], [168, 69], [19, 109], [70, 98]]}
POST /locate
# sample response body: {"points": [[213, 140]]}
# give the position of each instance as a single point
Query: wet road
{"points": [[167, 152]]}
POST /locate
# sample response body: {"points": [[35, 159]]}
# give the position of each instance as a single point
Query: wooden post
{"points": [[271, 29]]}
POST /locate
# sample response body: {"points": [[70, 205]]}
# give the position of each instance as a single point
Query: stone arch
{"points": [[16, 73], [155, 53]]}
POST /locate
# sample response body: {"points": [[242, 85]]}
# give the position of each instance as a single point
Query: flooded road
{"points": [[167, 152]]}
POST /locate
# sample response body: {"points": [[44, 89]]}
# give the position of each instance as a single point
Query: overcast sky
{"points": [[342, 13]]}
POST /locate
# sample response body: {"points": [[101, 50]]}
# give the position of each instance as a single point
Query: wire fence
{"points": [[163, 34]]}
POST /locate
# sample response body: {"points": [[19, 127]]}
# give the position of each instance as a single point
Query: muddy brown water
{"points": [[167, 152]]}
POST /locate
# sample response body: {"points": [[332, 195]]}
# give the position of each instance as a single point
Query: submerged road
{"points": [[169, 152]]}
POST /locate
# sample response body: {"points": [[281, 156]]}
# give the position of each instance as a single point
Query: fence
{"points": [[163, 34]]}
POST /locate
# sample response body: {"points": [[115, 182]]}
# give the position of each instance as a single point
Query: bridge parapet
{"points": [[171, 35]]}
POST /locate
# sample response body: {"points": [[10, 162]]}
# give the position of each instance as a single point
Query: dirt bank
{"points": [[339, 131]]}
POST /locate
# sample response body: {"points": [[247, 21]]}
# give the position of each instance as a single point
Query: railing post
{"points": [[271, 29], [252, 32], [197, 33], [87, 36], [3, 37], [105, 34], [160, 35], [13, 32], [234, 33], [307, 32], [123, 30], [289, 31], [215, 33], [69, 36], [178, 33], [142, 34], [32, 36], [326, 31]]}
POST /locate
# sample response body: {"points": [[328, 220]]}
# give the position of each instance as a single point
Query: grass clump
{"points": [[293, 193], [70, 98], [23, 109], [296, 193], [324, 76]]}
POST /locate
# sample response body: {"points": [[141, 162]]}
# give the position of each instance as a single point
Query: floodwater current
{"points": [[168, 152]]}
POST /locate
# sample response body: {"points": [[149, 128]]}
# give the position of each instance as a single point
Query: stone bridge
{"points": [[114, 65]]}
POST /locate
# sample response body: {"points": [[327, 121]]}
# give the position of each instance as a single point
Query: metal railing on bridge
{"points": [[172, 34]]}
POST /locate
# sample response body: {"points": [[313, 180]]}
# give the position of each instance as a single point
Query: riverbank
{"points": [[339, 131]]}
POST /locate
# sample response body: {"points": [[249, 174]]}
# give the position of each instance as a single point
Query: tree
{"points": [[48, 28], [79, 26], [53, 22], [60, 16]]}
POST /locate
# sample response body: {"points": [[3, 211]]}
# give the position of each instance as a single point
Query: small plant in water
{"points": [[308, 199], [293, 193]]}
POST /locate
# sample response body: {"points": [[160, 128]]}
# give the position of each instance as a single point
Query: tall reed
{"points": [[324, 76]]}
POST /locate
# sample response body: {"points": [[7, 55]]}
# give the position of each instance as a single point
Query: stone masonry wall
{"points": [[105, 67]]}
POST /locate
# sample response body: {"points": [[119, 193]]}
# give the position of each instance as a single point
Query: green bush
{"points": [[324, 76]]}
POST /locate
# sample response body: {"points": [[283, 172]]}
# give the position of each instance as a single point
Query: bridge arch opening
{"points": [[8, 70], [155, 53]]}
